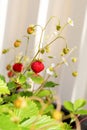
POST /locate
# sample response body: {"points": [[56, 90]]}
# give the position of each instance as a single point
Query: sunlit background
{"points": [[16, 15]]}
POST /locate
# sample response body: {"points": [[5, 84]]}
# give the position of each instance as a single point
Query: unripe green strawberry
{"points": [[4, 51], [74, 59], [75, 73]]}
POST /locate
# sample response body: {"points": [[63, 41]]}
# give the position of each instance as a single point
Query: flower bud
{"points": [[66, 50], [58, 27], [42, 51]]}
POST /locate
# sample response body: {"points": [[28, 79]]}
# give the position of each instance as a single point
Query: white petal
{"points": [[53, 65], [70, 22], [49, 72]]}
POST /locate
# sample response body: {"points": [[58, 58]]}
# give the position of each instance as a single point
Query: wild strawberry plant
{"points": [[26, 98]]}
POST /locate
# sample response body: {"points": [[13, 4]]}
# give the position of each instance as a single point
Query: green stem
{"points": [[63, 28], [65, 117], [41, 86], [38, 26], [59, 36], [59, 64], [78, 126], [27, 68], [43, 31], [48, 21], [37, 99]]}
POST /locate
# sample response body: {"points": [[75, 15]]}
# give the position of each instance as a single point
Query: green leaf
{"points": [[12, 98], [50, 84], [50, 57], [23, 128], [37, 79], [65, 126], [2, 78], [21, 79], [1, 99], [49, 108], [26, 85], [26, 93], [11, 85], [79, 103], [5, 108], [29, 74], [69, 106], [44, 93], [28, 111], [41, 122], [81, 112], [3, 87], [7, 124]]}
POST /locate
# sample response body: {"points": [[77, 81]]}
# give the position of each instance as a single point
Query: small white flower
{"points": [[52, 65], [50, 70], [70, 22]]}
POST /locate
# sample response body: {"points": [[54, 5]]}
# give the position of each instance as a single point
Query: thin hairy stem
{"points": [[78, 126]]}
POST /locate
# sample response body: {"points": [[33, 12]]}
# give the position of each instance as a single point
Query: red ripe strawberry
{"points": [[18, 67], [10, 74], [37, 66]]}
